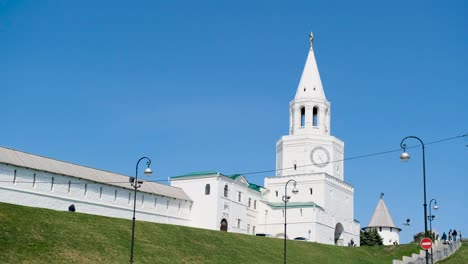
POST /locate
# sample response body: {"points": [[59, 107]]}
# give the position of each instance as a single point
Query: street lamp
{"points": [[430, 218], [405, 157], [137, 184], [286, 200]]}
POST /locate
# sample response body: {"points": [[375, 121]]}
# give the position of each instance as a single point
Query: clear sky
{"points": [[199, 85]]}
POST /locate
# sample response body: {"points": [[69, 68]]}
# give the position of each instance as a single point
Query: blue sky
{"points": [[206, 86]]}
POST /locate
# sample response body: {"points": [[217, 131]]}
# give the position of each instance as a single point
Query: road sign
{"points": [[426, 243]]}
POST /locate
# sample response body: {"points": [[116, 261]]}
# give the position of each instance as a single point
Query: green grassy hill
{"points": [[32, 235], [459, 257]]}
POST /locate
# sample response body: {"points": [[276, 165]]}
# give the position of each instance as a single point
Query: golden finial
{"points": [[311, 39]]}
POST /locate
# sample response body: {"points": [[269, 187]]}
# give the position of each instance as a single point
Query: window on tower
{"points": [[302, 116], [226, 190], [207, 189], [314, 116]]}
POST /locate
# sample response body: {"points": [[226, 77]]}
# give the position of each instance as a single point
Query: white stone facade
{"points": [[230, 199], [31, 187]]}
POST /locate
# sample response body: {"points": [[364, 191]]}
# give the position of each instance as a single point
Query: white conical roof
{"points": [[310, 85], [381, 216]]}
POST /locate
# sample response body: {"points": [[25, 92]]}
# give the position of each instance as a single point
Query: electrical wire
{"points": [[266, 171]]}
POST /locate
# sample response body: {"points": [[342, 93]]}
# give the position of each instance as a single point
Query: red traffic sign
{"points": [[426, 243]]}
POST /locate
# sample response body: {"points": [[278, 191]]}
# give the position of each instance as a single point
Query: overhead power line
{"points": [[256, 172], [360, 156]]}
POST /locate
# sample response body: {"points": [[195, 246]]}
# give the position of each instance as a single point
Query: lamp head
{"points": [[148, 171], [436, 207], [295, 190], [404, 157]]}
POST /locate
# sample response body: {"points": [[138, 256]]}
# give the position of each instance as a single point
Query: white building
{"points": [[226, 203], [32, 180], [382, 222], [321, 211]]}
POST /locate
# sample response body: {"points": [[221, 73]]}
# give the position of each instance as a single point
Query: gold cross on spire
{"points": [[311, 39]]}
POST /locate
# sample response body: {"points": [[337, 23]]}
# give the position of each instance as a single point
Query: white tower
{"points": [[382, 222], [309, 148], [323, 208]]}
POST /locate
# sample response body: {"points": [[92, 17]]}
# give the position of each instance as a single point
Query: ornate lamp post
{"points": [[286, 200], [431, 218], [405, 157], [137, 184]]}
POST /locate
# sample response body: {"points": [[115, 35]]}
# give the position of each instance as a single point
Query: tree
{"points": [[371, 238]]}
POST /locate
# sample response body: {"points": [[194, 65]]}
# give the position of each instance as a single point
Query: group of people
{"points": [[452, 236]]}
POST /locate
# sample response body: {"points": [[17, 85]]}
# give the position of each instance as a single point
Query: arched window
{"points": [[226, 190], [315, 116], [311, 191], [207, 189], [302, 116]]}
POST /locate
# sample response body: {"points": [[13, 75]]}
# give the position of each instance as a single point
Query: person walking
{"points": [[454, 234], [444, 238]]}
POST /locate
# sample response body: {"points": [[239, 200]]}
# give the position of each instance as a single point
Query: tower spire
{"points": [[310, 85]]}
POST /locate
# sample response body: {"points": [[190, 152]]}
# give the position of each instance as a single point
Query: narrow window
{"points": [[34, 180], [100, 192], [239, 197], [207, 189], [301, 211], [155, 202], [85, 190], [276, 193], [253, 230], [142, 200], [255, 204], [391, 229], [129, 197], [380, 229], [226, 190], [248, 228], [52, 184], [315, 116], [14, 177], [238, 223], [69, 187], [250, 202], [179, 207], [303, 117], [167, 204], [311, 191], [115, 196], [283, 212], [295, 166]]}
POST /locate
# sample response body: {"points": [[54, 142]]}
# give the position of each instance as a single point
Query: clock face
{"points": [[320, 157]]}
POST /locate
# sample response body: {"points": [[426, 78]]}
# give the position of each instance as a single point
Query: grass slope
{"points": [[459, 257], [32, 235]]}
